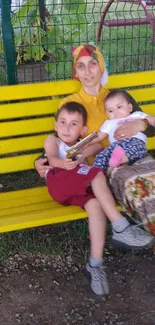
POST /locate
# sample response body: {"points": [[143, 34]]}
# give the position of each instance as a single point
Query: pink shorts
{"points": [[72, 187]]}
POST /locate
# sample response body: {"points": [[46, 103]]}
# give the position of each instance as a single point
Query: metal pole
{"points": [[42, 14], [8, 40]]}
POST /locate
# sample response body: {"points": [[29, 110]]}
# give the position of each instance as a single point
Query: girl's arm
{"points": [[51, 147], [151, 120], [91, 150], [94, 147], [101, 136]]}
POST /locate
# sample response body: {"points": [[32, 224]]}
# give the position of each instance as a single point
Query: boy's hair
{"points": [[73, 107]]}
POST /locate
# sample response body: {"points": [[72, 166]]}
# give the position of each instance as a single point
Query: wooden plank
{"points": [[23, 194], [26, 162], [55, 88], [22, 144], [35, 142], [148, 109], [29, 208], [146, 94], [18, 163], [131, 79], [37, 90], [32, 108], [41, 218], [29, 126]]}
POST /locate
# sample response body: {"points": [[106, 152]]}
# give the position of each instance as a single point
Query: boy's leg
{"points": [[97, 230], [97, 222], [124, 234]]}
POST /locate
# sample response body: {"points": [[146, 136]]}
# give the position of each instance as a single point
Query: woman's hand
{"points": [[70, 164], [128, 129], [40, 167]]}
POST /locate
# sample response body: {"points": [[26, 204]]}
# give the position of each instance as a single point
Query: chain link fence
{"points": [[46, 30]]}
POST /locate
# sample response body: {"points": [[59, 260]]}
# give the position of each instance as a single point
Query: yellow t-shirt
{"points": [[94, 106]]}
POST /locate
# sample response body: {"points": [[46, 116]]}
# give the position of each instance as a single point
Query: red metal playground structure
{"points": [[145, 5]]}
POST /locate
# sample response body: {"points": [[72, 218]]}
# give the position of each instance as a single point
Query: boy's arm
{"points": [[52, 150]]}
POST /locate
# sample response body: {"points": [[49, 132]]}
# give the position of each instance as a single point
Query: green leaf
{"points": [[72, 5], [32, 16], [49, 66], [37, 53]]}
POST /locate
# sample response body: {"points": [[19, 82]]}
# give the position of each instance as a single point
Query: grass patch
{"points": [[54, 239]]}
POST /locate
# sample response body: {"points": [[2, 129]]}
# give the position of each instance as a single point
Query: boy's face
{"points": [[69, 127], [117, 107]]}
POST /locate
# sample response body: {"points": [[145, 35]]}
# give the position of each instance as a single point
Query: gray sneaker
{"points": [[132, 237], [98, 279]]}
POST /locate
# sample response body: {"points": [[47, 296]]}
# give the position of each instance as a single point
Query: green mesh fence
{"points": [[46, 31]]}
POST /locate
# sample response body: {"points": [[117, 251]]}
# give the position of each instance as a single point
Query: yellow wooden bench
{"points": [[25, 120]]}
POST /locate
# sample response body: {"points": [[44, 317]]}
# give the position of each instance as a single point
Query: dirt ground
{"points": [[49, 289], [46, 290]]}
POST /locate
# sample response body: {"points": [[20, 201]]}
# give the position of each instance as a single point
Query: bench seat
{"points": [[26, 117]]}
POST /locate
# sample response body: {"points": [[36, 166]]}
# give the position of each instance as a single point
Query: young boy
{"points": [[72, 184], [119, 111]]}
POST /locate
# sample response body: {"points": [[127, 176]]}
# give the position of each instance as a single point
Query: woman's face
{"points": [[88, 71]]}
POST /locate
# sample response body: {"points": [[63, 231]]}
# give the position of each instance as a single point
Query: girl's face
{"points": [[117, 107], [88, 71]]}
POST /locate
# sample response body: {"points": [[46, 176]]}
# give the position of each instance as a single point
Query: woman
{"points": [[89, 67]]}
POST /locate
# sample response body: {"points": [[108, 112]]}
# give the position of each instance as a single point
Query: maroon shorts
{"points": [[72, 187]]}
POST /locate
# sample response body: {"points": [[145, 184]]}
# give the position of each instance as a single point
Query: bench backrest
{"points": [[26, 110]]}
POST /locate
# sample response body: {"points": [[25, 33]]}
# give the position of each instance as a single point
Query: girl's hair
{"points": [[126, 95], [73, 107]]}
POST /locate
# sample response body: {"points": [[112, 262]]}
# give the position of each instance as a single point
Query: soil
{"points": [[53, 290]]}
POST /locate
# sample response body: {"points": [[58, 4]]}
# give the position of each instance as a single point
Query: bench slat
{"points": [[40, 218], [20, 195], [148, 109], [17, 163], [70, 86], [131, 79], [31, 126], [36, 90], [25, 162], [33, 108], [142, 95], [22, 144], [31, 207], [35, 142]]}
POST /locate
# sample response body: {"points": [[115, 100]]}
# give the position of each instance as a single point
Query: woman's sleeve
{"points": [[150, 130]]}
